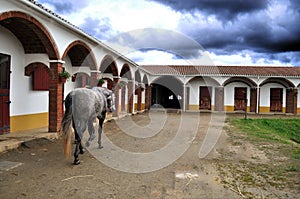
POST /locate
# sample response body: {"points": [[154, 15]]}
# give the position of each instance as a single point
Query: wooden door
{"points": [[240, 98], [4, 93], [205, 98], [276, 98]]}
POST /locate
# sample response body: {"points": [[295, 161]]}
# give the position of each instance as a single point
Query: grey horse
{"points": [[82, 106]]}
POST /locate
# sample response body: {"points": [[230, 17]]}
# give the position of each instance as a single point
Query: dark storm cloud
{"points": [[223, 9], [245, 25], [234, 37], [259, 32]]}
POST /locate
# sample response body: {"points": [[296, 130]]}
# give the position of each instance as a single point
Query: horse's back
{"points": [[87, 102], [83, 101]]}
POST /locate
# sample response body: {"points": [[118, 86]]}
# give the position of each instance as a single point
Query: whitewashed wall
{"points": [[229, 93], [194, 85], [265, 94], [23, 99], [298, 98]]}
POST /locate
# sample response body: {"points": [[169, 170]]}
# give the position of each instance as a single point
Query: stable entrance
{"points": [[240, 98], [276, 96], [167, 92], [205, 97], [165, 97], [4, 93]]}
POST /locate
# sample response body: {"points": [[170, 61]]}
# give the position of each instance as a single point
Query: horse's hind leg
{"points": [[76, 140], [91, 130], [101, 121], [77, 149]]}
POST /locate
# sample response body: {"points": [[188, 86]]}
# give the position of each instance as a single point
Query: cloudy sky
{"points": [[222, 32]]}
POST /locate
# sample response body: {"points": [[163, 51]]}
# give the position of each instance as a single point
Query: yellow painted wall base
{"points": [[195, 107], [264, 109], [229, 108], [28, 122], [136, 106]]}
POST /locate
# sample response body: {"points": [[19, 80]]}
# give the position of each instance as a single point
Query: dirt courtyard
{"points": [[151, 155]]}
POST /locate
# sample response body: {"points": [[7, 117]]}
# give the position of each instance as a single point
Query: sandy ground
{"points": [[154, 155]]}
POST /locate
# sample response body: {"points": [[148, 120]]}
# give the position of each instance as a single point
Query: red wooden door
{"points": [[4, 93], [240, 98], [276, 96], [205, 99]]}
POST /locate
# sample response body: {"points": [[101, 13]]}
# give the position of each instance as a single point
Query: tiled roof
{"points": [[222, 70]]}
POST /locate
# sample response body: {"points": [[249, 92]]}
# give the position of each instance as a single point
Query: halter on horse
{"points": [[82, 107]]}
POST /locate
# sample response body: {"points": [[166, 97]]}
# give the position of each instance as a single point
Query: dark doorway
{"points": [[4, 93], [240, 98], [276, 98], [167, 92], [165, 97], [205, 97]]}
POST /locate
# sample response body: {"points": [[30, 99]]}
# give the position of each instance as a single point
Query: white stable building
{"points": [[37, 45]]}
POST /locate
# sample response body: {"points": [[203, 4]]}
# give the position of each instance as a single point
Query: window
{"points": [[40, 76]]}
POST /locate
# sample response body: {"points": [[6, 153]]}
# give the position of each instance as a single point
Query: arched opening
{"points": [[80, 55], [167, 91], [31, 33], [108, 65], [280, 95], [202, 94], [35, 39], [242, 94], [109, 70]]}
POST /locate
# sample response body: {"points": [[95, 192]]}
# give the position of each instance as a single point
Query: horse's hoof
{"points": [[87, 144], [81, 151], [76, 162], [100, 147]]}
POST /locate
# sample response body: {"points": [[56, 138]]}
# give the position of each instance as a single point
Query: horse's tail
{"points": [[66, 126]]}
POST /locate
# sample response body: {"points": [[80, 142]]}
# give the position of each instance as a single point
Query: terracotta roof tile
{"points": [[222, 70]]}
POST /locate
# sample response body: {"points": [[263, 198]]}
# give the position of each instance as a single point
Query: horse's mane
{"points": [[104, 90]]}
